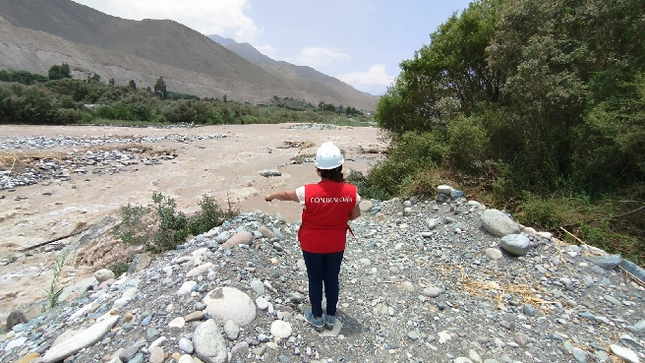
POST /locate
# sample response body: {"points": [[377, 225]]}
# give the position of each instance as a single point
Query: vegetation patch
{"points": [[58, 99], [161, 227], [528, 108]]}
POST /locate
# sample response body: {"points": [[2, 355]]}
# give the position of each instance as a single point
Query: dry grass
{"points": [[17, 161], [530, 293]]}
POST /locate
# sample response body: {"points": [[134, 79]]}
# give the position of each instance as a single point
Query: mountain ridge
{"points": [[307, 76], [143, 51]]}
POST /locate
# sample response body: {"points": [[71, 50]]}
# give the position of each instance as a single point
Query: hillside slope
{"points": [[25, 49], [33, 32], [164, 41], [304, 77]]}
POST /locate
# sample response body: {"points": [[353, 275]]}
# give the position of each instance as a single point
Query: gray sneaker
{"points": [[330, 320], [317, 323]]}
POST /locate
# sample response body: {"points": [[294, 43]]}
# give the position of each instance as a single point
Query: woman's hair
{"points": [[335, 174]]}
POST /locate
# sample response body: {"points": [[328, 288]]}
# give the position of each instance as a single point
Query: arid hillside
{"points": [[39, 34]]}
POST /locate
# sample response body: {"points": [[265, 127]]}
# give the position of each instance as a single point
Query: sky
{"points": [[360, 42]]}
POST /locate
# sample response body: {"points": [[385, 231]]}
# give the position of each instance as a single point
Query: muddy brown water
{"points": [[227, 169]]}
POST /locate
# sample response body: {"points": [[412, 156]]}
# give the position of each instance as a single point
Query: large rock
{"points": [[16, 317], [80, 340], [445, 189], [608, 262], [365, 206], [140, 262], [516, 244], [209, 343], [269, 173], [266, 232], [227, 303], [103, 275], [281, 329], [240, 238], [625, 353], [498, 223]]}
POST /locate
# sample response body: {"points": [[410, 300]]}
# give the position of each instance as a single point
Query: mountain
{"points": [[305, 77], [36, 34]]}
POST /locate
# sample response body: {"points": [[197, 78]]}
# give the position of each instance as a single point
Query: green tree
{"points": [[59, 72], [132, 84], [93, 78], [160, 88], [453, 66], [558, 59], [23, 77]]}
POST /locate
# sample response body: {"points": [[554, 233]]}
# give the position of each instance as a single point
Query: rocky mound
{"points": [[443, 280]]}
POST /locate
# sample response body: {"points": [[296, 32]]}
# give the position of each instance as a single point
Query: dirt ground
{"points": [[227, 169]]}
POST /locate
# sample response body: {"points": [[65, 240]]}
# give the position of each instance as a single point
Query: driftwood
{"points": [[54, 240]]}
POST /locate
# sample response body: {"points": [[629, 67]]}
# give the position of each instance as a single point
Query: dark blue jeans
{"points": [[323, 267]]}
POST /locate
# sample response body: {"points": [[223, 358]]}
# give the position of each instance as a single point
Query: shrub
{"points": [[537, 211], [467, 142], [365, 189], [132, 230], [172, 225], [209, 216], [167, 227], [409, 154], [59, 72], [22, 77], [120, 267]]}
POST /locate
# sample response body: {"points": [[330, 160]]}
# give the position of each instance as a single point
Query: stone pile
{"points": [[103, 155], [44, 142], [425, 281]]}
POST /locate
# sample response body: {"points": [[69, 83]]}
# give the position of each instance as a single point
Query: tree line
{"points": [[28, 98], [536, 105]]}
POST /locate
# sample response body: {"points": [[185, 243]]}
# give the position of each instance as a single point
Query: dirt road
{"points": [[228, 169]]}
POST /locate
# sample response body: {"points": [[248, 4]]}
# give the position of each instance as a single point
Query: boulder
{"points": [[516, 244], [16, 317], [209, 343], [227, 303], [498, 223], [80, 340], [103, 275], [365, 206], [238, 239], [445, 189]]}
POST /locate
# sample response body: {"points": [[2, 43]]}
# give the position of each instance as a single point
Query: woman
{"points": [[327, 207]]}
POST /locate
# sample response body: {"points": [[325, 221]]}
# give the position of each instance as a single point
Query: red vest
{"points": [[325, 216]]}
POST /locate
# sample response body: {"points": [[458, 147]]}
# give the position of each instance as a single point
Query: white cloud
{"points": [[222, 17], [375, 76], [317, 57]]}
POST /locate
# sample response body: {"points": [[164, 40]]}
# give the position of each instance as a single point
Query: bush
{"points": [[209, 216], [120, 267], [172, 225], [468, 141], [167, 228], [22, 77], [409, 154], [537, 211], [132, 230], [365, 189], [59, 72]]}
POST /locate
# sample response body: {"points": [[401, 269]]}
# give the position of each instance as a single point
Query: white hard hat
{"points": [[328, 156]]}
